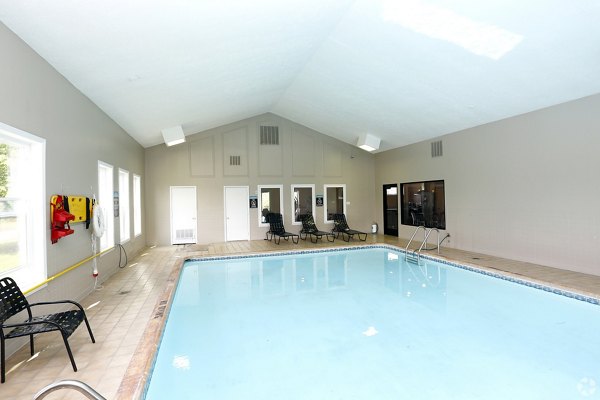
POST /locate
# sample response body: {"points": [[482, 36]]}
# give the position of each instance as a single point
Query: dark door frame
{"points": [[390, 227]]}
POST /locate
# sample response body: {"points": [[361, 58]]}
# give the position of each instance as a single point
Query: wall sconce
{"points": [[368, 142], [173, 135]]}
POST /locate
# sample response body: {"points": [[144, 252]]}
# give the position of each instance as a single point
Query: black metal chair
{"points": [[13, 301], [277, 230], [309, 228], [340, 226], [267, 215]]}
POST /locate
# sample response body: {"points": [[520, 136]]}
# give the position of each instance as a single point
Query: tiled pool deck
{"points": [[128, 313]]}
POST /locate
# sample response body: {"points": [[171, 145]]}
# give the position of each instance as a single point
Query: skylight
{"points": [[436, 22]]}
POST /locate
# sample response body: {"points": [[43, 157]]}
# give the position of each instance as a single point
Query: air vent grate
{"points": [[269, 135], [436, 149], [184, 234], [235, 160]]}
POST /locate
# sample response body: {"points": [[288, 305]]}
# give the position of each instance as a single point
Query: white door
{"points": [[183, 215], [237, 224]]}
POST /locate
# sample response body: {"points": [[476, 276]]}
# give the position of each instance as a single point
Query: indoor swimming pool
{"points": [[362, 323]]}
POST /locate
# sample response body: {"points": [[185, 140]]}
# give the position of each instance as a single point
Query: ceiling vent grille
{"points": [[269, 135], [235, 160], [436, 149]]}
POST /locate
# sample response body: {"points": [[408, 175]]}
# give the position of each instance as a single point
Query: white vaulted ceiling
{"points": [[404, 71]]}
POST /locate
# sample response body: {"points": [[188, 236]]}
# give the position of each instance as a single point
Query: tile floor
{"points": [[127, 312]]}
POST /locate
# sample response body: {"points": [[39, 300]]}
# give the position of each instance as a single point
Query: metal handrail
{"points": [[426, 233], [412, 237], [79, 386], [427, 237]]}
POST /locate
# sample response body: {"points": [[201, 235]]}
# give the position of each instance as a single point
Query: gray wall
{"points": [[524, 188], [303, 157], [37, 99]]}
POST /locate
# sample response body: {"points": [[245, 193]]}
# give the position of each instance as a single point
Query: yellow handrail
{"points": [[72, 267]]}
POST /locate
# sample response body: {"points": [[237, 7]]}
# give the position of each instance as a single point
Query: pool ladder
{"points": [[414, 256], [79, 386]]}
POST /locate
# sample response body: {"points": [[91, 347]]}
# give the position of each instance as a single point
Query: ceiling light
{"points": [[173, 135], [439, 23], [368, 142]]}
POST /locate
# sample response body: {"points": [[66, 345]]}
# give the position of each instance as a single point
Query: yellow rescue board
{"points": [[80, 207]]}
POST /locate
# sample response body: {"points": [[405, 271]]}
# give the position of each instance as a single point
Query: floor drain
{"points": [[475, 258], [124, 292]]}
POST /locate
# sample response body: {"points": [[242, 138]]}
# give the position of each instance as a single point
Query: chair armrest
{"points": [[46, 303]]}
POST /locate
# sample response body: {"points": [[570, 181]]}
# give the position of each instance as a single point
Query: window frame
{"points": [[124, 207], [325, 200], [137, 205], [438, 214], [34, 269], [105, 200], [260, 207], [313, 202]]}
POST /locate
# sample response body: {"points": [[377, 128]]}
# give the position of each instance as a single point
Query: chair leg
{"points": [[3, 367], [89, 329], [69, 352], [31, 345]]}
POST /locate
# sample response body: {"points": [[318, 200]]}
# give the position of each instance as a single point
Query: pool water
{"points": [[363, 324]]}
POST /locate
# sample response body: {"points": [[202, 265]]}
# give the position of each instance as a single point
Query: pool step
{"points": [[413, 257]]}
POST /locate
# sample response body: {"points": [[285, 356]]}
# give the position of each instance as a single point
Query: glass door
{"points": [[390, 209]]}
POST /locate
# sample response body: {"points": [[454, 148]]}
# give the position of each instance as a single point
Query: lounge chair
{"points": [[340, 226], [277, 230], [12, 302], [266, 216], [310, 229]]}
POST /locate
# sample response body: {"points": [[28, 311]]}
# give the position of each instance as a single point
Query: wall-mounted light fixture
{"points": [[368, 142], [173, 135]]}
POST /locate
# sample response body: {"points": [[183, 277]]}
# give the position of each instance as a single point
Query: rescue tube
{"points": [[98, 223]]}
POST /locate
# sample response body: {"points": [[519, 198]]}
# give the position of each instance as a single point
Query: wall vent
{"points": [[184, 234], [436, 149], [235, 160], [269, 135]]}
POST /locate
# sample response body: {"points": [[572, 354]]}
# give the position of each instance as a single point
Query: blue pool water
{"points": [[363, 324]]}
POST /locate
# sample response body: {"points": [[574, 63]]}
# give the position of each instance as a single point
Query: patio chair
{"points": [[266, 214], [340, 226], [309, 228], [277, 230], [13, 301]]}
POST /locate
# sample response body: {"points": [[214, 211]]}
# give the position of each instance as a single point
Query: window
{"points": [[303, 202], [335, 201], [105, 200], [423, 203], [124, 220], [23, 212], [137, 205], [270, 200]]}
